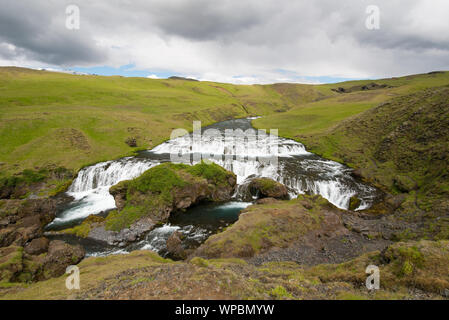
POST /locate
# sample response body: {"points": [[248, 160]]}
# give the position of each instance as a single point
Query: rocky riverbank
{"points": [[307, 230], [25, 254], [147, 201]]}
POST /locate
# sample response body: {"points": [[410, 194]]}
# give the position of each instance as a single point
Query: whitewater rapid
{"points": [[253, 154]]}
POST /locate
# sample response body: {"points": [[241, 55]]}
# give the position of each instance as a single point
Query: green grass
{"points": [[210, 171], [71, 121], [263, 226], [53, 118], [318, 114], [145, 275]]}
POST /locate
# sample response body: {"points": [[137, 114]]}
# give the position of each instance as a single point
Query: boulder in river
{"points": [[268, 188], [354, 203], [174, 246]]}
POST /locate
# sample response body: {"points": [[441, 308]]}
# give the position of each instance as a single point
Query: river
{"points": [[283, 160]]}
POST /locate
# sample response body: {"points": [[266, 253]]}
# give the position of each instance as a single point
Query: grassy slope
{"points": [[54, 118], [37, 108], [414, 270], [321, 109], [397, 136]]}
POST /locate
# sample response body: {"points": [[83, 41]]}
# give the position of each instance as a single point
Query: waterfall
{"points": [[90, 189], [248, 154], [106, 174], [300, 171], [249, 145]]}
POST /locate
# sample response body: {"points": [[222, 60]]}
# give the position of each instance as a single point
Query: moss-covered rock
{"points": [[354, 203], [47, 181], [18, 266], [165, 188], [10, 263], [404, 183], [82, 230], [268, 188]]}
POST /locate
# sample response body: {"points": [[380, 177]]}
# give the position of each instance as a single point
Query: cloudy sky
{"points": [[254, 41]]}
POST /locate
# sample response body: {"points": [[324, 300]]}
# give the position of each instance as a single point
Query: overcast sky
{"points": [[229, 41]]}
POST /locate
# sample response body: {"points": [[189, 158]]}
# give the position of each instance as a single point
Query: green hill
{"points": [[393, 131], [49, 118]]}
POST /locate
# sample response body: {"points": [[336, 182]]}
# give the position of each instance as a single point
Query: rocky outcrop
{"points": [[175, 247], [354, 203], [60, 255], [123, 237], [37, 246], [366, 87], [19, 265], [25, 254], [148, 200], [119, 193], [308, 230], [268, 188], [164, 189], [24, 220]]}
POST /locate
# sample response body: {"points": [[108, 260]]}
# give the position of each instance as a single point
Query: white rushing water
{"points": [[90, 189], [252, 154]]}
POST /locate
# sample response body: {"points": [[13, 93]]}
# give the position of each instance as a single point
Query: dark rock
{"points": [[8, 236], [174, 246], [60, 255], [24, 220], [354, 203], [395, 201], [369, 86], [123, 237], [37, 246], [119, 193], [357, 173], [131, 141], [446, 293]]}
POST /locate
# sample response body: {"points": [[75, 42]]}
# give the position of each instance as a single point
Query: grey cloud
{"points": [[205, 19], [301, 36], [38, 31]]}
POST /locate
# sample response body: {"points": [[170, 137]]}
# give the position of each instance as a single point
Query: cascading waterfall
{"points": [[248, 154], [90, 189], [108, 173]]}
